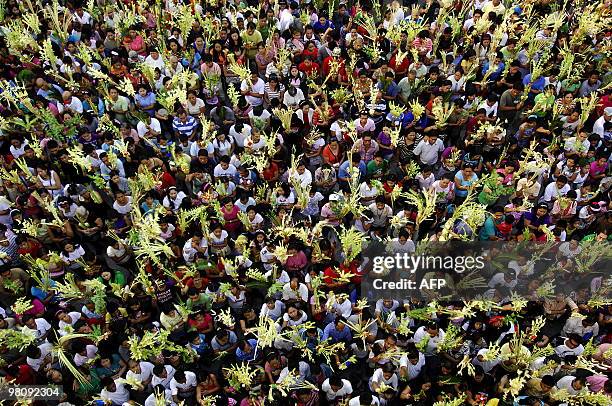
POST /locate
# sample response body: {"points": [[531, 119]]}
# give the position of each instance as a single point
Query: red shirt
{"points": [[33, 247], [25, 376], [203, 325], [268, 173], [311, 70]]}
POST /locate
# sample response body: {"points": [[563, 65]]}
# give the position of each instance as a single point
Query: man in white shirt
{"points": [[336, 388], [273, 309], [599, 125], [293, 97], [240, 132], [140, 371], [155, 60], [253, 92], [429, 149], [556, 189], [490, 106], [571, 384], [39, 357], [183, 386], [432, 333], [193, 246], [162, 375], [39, 327], [285, 19], [70, 104], [582, 327], [571, 346], [159, 392], [301, 175], [384, 375], [224, 168], [411, 365], [364, 399], [148, 129], [114, 391]]}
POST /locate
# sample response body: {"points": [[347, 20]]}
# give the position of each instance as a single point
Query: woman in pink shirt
{"points": [[134, 42], [296, 260], [598, 168]]}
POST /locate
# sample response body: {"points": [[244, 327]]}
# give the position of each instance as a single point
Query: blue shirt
{"points": [[202, 347], [392, 89], [247, 356], [318, 27], [464, 182], [147, 100], [186, 128], [336, 336], [488, 229], [495, 75], [537, 85], [343, 170]]}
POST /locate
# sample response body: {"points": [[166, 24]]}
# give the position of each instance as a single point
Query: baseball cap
{"points": [[334, 197], [608, 111], [336, 52]]}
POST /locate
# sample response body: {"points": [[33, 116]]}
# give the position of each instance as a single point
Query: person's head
{"points": [[561, 181], [335, 383], [578, 383], [432, 329], [388, 370], [293, 312], [573, 341]]}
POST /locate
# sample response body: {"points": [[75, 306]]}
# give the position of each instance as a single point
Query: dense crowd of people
{"points": [[189, 188]]}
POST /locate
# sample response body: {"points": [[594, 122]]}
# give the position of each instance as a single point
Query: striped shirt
{"points": [[187, 128]]}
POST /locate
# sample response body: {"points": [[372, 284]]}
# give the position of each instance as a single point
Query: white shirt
{"points": [[190, 383], [146, 370], [293, 101], [119, 396], [90, 353], [563, 350], [74, 317], [305, 178], [275, 313], [412, 369], [165, 381], [291, 322], [356, 402], [302, 292], [126, 208], [142, 129], [491, 110], [429, 153], [378, 377], [35, 363], [257, 87], [155, 63], [152, 401], [345, 390], [552, 191], [566, 383], [189, 252], [432, 344], [219, 171], [285, 19], [240, 137]]}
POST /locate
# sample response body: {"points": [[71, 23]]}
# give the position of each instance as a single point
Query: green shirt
{"points": [[203, 300], [376, 170], [251, 40]]}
